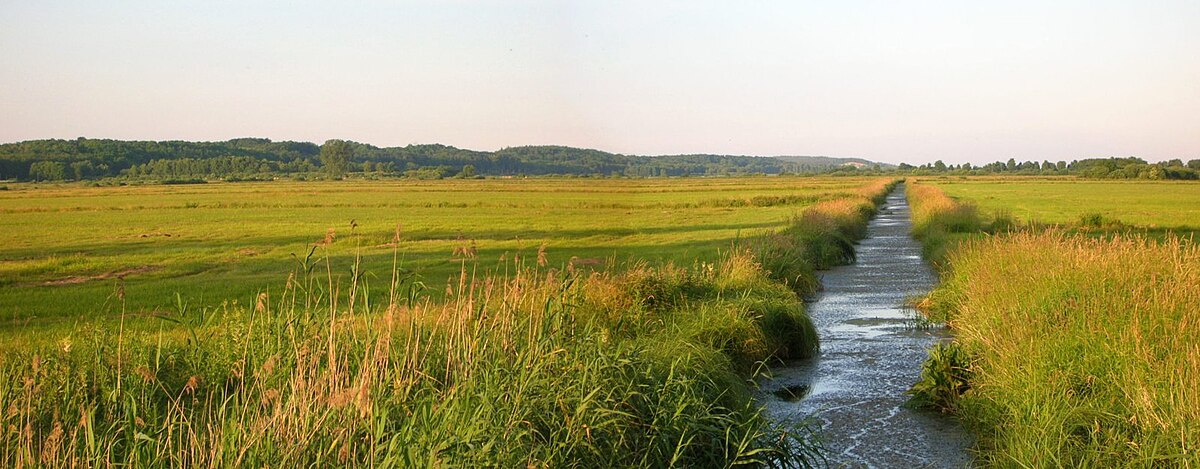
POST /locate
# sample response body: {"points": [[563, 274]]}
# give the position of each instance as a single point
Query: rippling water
{"points": [[870, 354]]}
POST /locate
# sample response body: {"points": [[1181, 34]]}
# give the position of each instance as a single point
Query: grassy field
{"points": [[647, 363], [1145, 204], [1071, 349], [65, 246]]}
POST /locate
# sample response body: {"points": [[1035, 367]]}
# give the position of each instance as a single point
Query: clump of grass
{"points": [[945, 376], [1083, 350], [1098, 221], [1003, 221]]}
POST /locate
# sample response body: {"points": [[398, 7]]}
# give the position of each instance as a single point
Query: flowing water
{"points": [[871, 352]]}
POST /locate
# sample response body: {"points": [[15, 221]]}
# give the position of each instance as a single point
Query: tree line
{"points": [[84, 159], [251, 158], [1096, 168]]}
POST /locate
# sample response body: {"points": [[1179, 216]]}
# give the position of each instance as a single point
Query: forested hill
{"points": [[258, 157]]}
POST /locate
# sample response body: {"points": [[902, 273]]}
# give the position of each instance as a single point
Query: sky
{"points": [[911, 81]]}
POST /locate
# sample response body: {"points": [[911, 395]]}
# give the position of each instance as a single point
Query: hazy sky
{"points": [[890, 81]]}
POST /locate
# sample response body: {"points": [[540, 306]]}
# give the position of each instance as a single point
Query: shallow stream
{"points": [[871, 352]]}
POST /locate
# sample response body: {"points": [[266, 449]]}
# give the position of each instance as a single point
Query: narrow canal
{"points": [[871, 352]]}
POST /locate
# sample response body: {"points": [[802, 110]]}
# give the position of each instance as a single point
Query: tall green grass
{"points": [[822, 236], [1076, 351], [640, 366], [1084, 350], [939, 220]]}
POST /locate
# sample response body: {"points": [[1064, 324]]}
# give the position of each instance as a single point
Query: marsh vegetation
{"points": [[646, 363], [1075, 340]]}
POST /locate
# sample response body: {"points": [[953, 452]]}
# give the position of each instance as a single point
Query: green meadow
{"points": [[1066, 200], [1075, 324], [67, 246], [505, 323]]}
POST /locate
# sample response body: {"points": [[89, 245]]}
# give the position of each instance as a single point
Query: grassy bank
{"points": [[1071, 350], [647, 365], [939, 221]]}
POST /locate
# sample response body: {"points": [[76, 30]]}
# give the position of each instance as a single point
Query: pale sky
{"points": [[961, 81]]}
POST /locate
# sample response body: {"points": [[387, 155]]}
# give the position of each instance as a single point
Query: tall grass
{"points": [[1084, 350], [628, 369], [820, 237], [646, 366], [1076, 351], [938, 220]]}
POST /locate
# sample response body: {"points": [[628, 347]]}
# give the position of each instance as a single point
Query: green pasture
{"points": [[1161, 205], [67, 247]]}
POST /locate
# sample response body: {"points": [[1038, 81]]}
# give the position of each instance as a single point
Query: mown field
{"points": [[641, 355], [1075, 337], [1165, 205], [66, 246]]}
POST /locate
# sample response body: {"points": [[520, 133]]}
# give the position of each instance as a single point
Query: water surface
{"points": [[871, 352]]}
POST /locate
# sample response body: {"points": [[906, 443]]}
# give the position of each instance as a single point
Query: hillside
{"points": [[247, 157]]}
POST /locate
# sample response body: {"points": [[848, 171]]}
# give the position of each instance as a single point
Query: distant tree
{"points": [[1194, 164], [467, 172], [335, 157], [48, 171], [81, 170], [939, 166], [1012, 164]]}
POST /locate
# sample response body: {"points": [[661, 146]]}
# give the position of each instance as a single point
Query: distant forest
{"points": [[46, 160], [260, 158]]}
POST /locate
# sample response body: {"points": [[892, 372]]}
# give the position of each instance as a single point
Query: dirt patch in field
{"points": [[78, 279], [154, 235], [248, 252]]}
